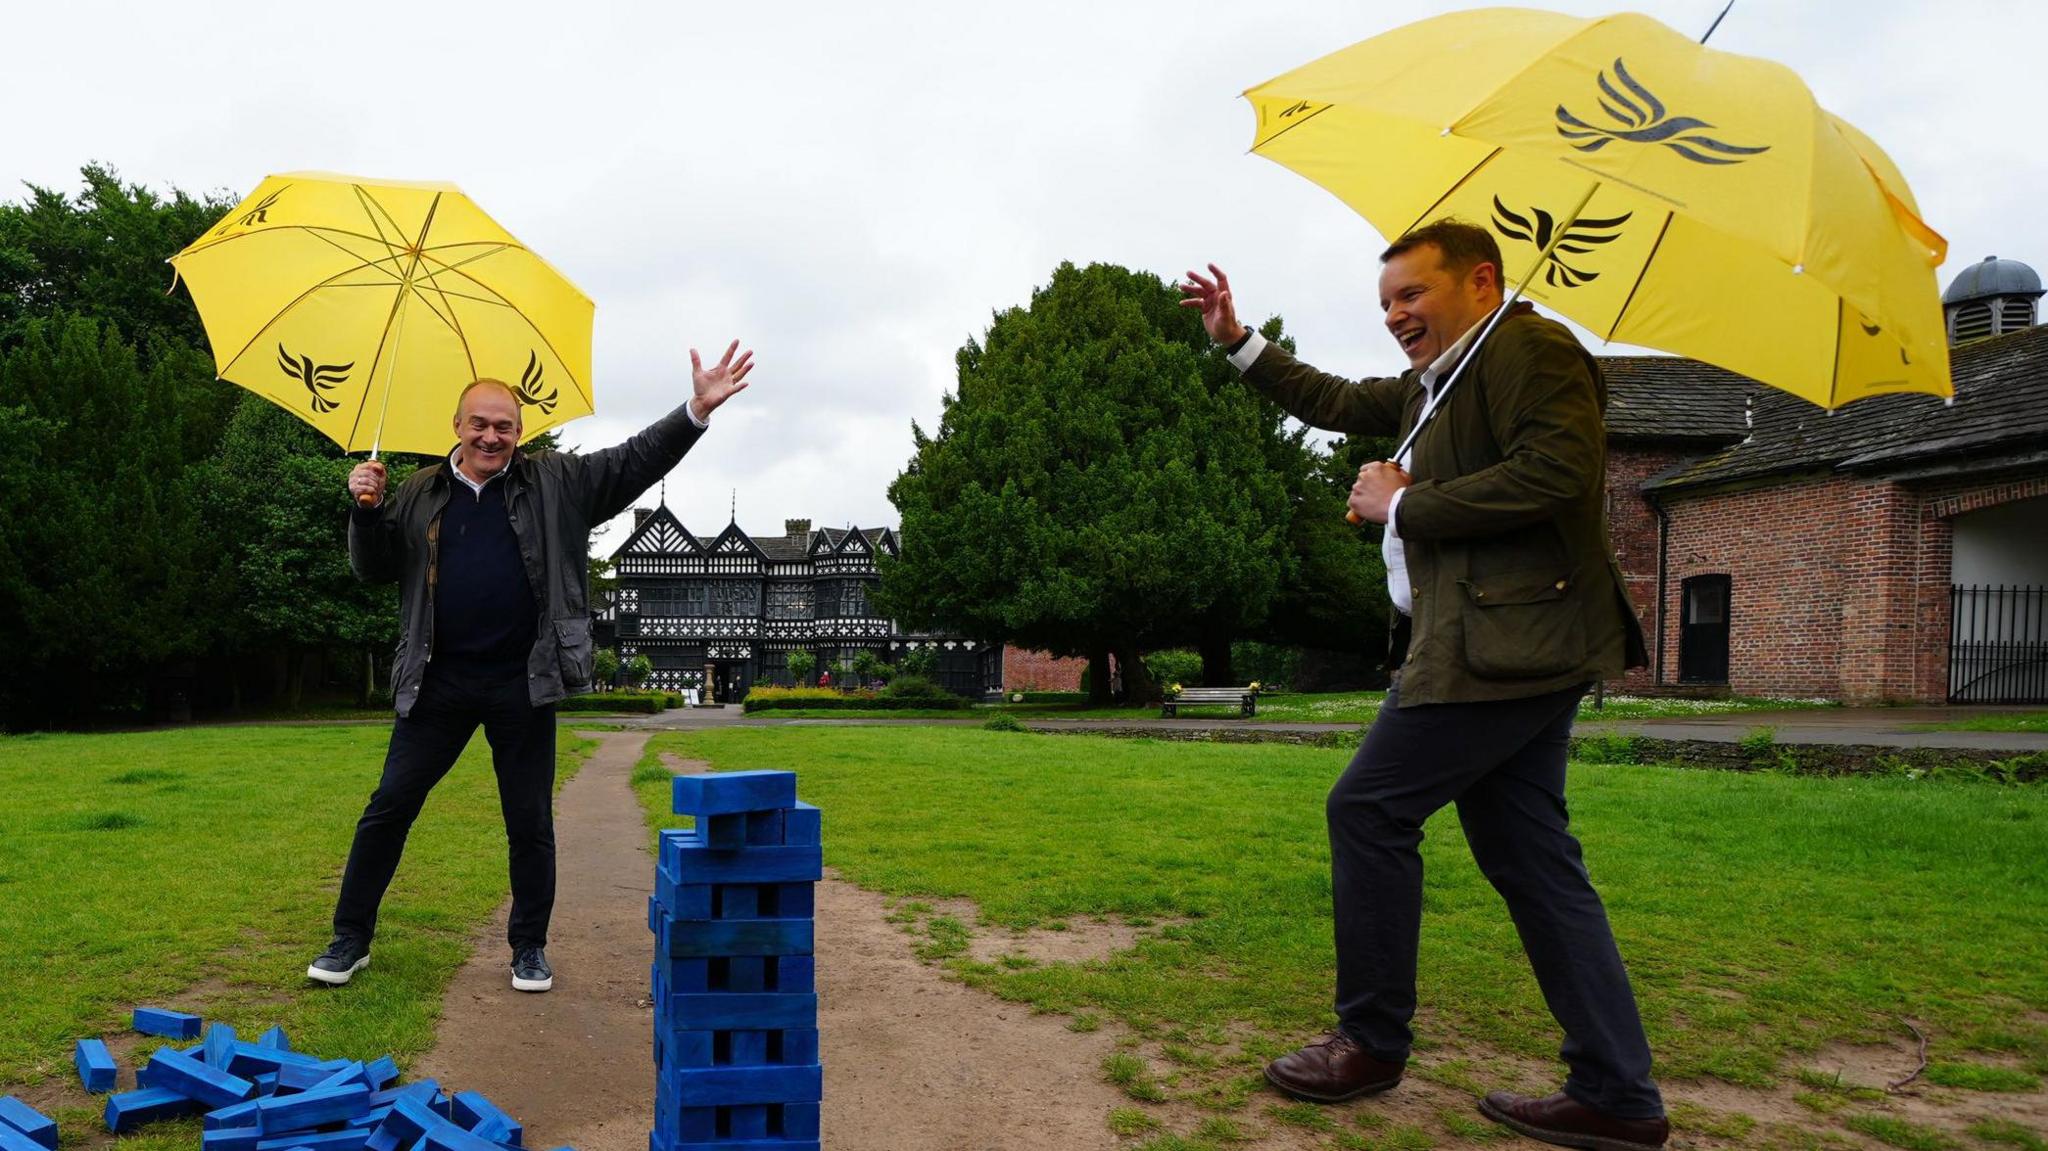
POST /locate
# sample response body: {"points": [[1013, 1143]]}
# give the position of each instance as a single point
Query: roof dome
{"points": [[1993, 277]]}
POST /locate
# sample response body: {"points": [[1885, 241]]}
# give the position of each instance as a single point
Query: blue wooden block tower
{"points": [[735, 988]]}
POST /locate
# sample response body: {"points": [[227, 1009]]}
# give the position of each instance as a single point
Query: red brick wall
{"points": [[1632, 529], [1040, 671]]}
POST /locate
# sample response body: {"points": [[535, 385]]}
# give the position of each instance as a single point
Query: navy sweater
{"points": [[483, 605]]}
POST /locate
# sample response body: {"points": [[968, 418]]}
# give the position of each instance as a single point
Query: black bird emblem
{"points": [[530, 384], [1642, 121], [1539, 226], [260, 214], [317, 378]]}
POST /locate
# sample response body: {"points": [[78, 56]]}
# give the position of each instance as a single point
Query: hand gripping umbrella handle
{"points": [[1430, 412]]}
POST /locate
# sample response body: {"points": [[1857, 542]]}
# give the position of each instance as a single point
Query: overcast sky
{"points": [[852, 189]]}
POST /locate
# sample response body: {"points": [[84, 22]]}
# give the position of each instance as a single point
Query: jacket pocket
{"points": [[1522, 624], [577, 658]]}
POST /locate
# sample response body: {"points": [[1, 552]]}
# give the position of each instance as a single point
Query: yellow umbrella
{"points": [[364, 307], [1661, 193]]}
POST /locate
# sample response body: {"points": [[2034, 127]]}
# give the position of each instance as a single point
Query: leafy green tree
{"points": [[605, 666], [922, 662], [637, 670], [801, 665], [1100, 482], [867, 666]]}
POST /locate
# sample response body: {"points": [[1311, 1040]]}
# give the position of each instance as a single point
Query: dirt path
{"points": [[912, 1062]]}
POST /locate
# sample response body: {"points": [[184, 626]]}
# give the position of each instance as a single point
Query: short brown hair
{"points": [[488, 382], [1464, 246]]}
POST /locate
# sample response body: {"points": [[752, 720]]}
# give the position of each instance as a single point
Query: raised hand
{"points": [[1212, 295], [722, 381]]}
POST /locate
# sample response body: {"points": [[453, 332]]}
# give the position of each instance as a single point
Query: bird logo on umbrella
{"points": [[317, 378], [1642, 122]]}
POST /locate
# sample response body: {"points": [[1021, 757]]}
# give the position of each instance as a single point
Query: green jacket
{"points": [[1517, 591]]}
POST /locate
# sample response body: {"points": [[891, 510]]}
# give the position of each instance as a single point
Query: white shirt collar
{"points": [[455, 470], [1444, 363]]}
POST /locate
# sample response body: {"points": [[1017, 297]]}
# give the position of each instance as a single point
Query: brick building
{"points": [[1894, 550]]}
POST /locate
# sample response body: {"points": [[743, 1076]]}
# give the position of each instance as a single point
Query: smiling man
{"points": [[1508, 607], [491, 553]]}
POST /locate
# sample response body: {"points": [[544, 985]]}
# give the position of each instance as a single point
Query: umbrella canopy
{"points": [[1730, 218], [364, 307]]}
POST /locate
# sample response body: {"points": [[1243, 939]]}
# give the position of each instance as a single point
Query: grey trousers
{"points": [[1503, 764]]}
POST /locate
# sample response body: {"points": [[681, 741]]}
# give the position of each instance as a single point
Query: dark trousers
{"points": [[1503, 764], [453, 700]]}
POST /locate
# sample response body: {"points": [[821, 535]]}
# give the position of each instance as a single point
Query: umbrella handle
{"points": [[366, 500]]}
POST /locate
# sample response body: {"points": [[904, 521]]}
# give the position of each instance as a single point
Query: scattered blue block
{"points": [[406, 1125], [169, 1024], [381, 1073], [350, 1072], [219, 1047], [131, 1109], [237, 1115], [725, 1011], [344, 1140], [265, 1081], [12, 1140], [28, 1121], [246, 1059], [96, 1069], [691, 938], [321, 1105], [194, 1080], [230, 1139], [494, 1128], [302, 1076], [734, 792], [274, 1038], [689, 862], [446, 1136], [470, 1109]]}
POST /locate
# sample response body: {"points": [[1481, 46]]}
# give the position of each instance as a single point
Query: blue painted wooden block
{"points": [[373, 1118], [96, 1069], [446, 1136], [27, 1121], [274, 1038], [302, 1076], [734, 901], [131, 1109], [726, 1011], [321, 1105], [491, 1127], [747, 1049], [169, 1024], [350, 1071], [266, 1083], [683, 974], [470, 1109], [682, 1048], [802, 826], [12, 1140], [764, 828], [381, 1074], [219, 1047], [678, 899], [796, 900], [424, 1090], [796, 973], [689, 863], [241, 1114], [407, 1124], [734, 1086], [195, 1080], [747, 1122], [742, 973], [246, 1059], [343, 1140], [687, 939], [800, 1121], [723, 832], [733, 792], [750, 1145], [229, 1139], [798, 1045]]}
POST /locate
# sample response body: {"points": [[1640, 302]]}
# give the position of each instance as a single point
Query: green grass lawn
{"points": [[197, 868], [1348, 707], [1762, 915], [2009, 721]]}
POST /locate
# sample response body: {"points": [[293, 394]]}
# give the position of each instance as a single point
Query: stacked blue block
{"points": [[734, 980]]}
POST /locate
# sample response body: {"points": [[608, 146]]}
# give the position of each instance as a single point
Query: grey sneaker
{"points": [[340, 962], [530, 970]]}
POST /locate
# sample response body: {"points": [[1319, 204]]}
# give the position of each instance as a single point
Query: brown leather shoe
{"points": [[1331, 1070], [1565, 1121]]}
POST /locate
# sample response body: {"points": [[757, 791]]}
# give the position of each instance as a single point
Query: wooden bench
{"points": [[1243, 698]]}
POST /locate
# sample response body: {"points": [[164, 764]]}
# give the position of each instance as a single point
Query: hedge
{"points": [[853, 703], [616, 701]]}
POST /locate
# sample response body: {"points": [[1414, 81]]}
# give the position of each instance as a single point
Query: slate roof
{"points": [[1670, 399], [1999, 417], [779, 548]]}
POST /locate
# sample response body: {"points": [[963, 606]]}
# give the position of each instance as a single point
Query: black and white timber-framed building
{"points": [[726, 611]]}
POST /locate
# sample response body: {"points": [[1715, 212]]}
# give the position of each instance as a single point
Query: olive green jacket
{"points": [[1516, 588]]}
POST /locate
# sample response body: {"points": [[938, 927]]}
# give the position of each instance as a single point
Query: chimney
{"points": [[796, 530]]}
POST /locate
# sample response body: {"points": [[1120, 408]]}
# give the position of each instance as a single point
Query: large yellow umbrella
{"points": [[364, 307], [1682, 198]]}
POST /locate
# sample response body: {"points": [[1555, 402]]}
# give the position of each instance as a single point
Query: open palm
{"points": [[721, 381]]}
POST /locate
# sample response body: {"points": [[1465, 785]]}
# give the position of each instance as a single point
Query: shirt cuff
{"points": [[690, 410], [1393, 503], [1243, 358]]}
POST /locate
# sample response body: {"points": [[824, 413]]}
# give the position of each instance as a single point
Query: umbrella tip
{"points": [[1948, 401]]}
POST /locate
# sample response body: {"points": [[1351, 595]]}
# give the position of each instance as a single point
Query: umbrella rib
{"points": [[369, 202], [1642, 272], [397, 301], [281, 312], [1462, 181], [197, 248], [455, 321], [1258, 144], [369, 264], [542, 336], [448, 267]]}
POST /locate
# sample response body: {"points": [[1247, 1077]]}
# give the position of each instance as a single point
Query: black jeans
{"points": [[1503, 764], [453, 700]]}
